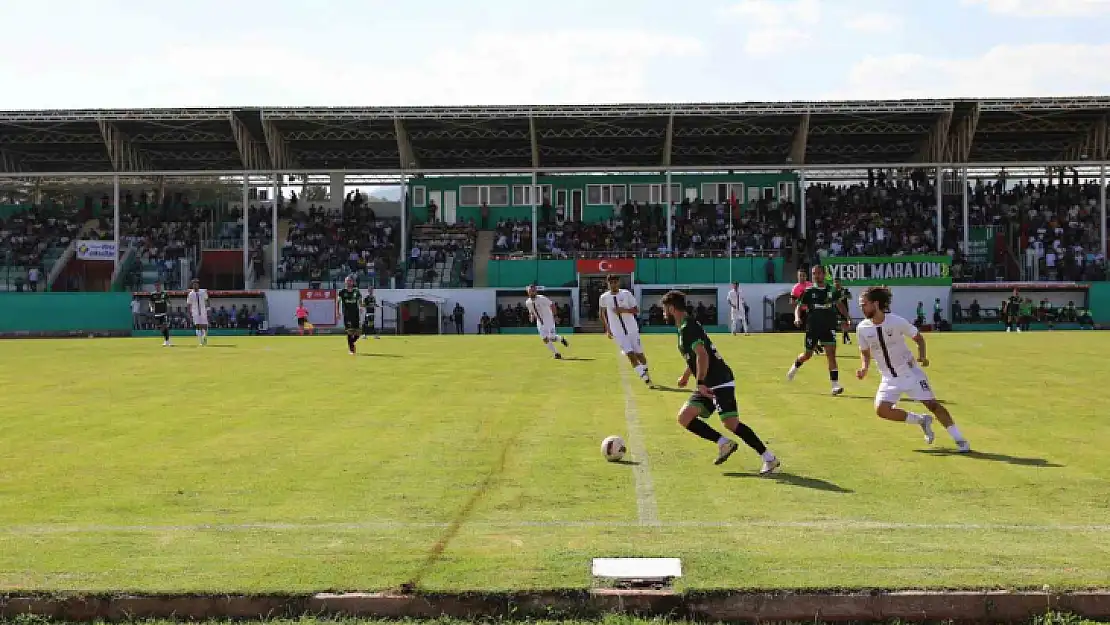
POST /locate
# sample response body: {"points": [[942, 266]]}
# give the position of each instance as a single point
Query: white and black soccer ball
{"points": [[613, 448]]}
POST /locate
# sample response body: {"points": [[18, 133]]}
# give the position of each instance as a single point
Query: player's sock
{"points": [[749, 437], [768, 456], [912, 418], [166, 334], [798, 363], [704, 430], [955, 433], [551, 348], [834, 377]]}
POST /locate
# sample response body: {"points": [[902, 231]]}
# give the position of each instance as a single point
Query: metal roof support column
{"points": [[935, 146], [123, 154], [280, 155], [668, 142], [670, 212], [535, 217], [252, 155], [115, 222], [246, 230], [1102, 205], [535, 142], [404, 226], [404, 146], [802, 193], [940, 208], [963, 193], [965, 136], [8, 164], [274, 235], [801, 140]]}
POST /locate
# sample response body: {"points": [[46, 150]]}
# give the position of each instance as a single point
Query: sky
{"points": [[139, 53]]}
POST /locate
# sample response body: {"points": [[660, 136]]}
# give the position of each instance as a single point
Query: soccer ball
{"points": [[613, 448]]}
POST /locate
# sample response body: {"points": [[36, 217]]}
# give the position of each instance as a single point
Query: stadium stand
{"points": [[440, 255], [32, 239], [324, 247]]}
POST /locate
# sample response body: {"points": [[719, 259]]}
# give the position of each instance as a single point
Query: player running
{"points": [[197, 303], [618, 314], [348, 302], [542, 312], [737, 310], [370, 305], [844, 295], [823, 311], [883, 334], [160, 307], [716, 387]]}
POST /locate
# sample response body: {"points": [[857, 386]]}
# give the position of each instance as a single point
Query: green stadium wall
{"points": [[65, 312], [1098, 300], [569, 183], [557, 273]]}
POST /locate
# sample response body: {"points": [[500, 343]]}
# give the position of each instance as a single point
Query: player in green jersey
{"points": [[160, 307], [349, 302], [716, 387], [370, 305], [844, 295], [823, 309]]}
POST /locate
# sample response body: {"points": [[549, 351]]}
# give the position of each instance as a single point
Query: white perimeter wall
{"points": [[283, 303]]}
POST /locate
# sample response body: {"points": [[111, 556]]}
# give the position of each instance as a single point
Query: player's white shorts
{"points": [[912, 383], [629, 343], [546, 330], [200, 320]]}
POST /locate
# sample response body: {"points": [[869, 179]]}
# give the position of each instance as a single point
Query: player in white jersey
{"points": [[882, 336], [618, 309], [197, 303], [542, 312], [737, 310]]}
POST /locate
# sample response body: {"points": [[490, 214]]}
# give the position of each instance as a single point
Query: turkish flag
{"points": [[594, 266]]}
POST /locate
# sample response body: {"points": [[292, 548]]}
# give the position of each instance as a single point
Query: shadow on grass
{"points": [[801, 481], [221, 345], [366, 355], [671, 389], [627, 463], [577, 359], [983, 455], [871, 398]]}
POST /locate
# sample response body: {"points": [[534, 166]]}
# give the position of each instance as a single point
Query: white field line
{"points": [[390, 526], [646, 509]]}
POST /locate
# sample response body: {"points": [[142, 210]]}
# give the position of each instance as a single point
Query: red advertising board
{"points": [[595, 266], [321, 306]]}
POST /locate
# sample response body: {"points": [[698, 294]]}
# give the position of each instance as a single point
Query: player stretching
{"points": [[197, 303], [349, 302], [844, 295], [1013, 311], [541, 311], [160, 306], [883, 334], [823, 310], [716, 390], [618, 314], [737, 309], [370, 304]]}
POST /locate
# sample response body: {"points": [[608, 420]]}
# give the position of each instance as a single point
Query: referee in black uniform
{"points": [[160, 307]]}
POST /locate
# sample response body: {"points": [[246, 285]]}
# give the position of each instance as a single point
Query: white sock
{"points": [[767, 456], [954, 432], [640, 370], [198, 333], [558, 338], [723, 441], [913, 418], [551, 346]]}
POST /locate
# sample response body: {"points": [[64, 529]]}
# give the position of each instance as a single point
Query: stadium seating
{"points": [[438, 255], [324, 247], [33, 239]]}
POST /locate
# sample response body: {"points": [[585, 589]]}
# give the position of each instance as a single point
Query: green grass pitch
{"points": [[284, 464]]}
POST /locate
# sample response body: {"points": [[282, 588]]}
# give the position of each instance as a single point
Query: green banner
{"points": [[892, 271]]}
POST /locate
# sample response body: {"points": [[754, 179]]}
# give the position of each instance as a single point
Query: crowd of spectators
{"points": [[325, 246], [26, 239], [442, 255]]}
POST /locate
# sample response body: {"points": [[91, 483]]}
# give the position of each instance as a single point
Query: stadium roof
{"points": [[555, 138]]}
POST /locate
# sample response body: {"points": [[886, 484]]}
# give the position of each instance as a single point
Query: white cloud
{"points": [[776, 26], [575, 66], [1044, 8], [874, 23], [1003, 71]]}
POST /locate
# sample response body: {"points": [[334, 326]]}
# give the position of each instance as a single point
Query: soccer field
{"points": [[284, 464]]}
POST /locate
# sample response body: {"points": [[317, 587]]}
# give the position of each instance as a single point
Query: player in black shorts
{"points": [[843, 295], [716, 390], [370, 304], [825, 309], [349, 301], [160, 307], [1012, 313]]}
